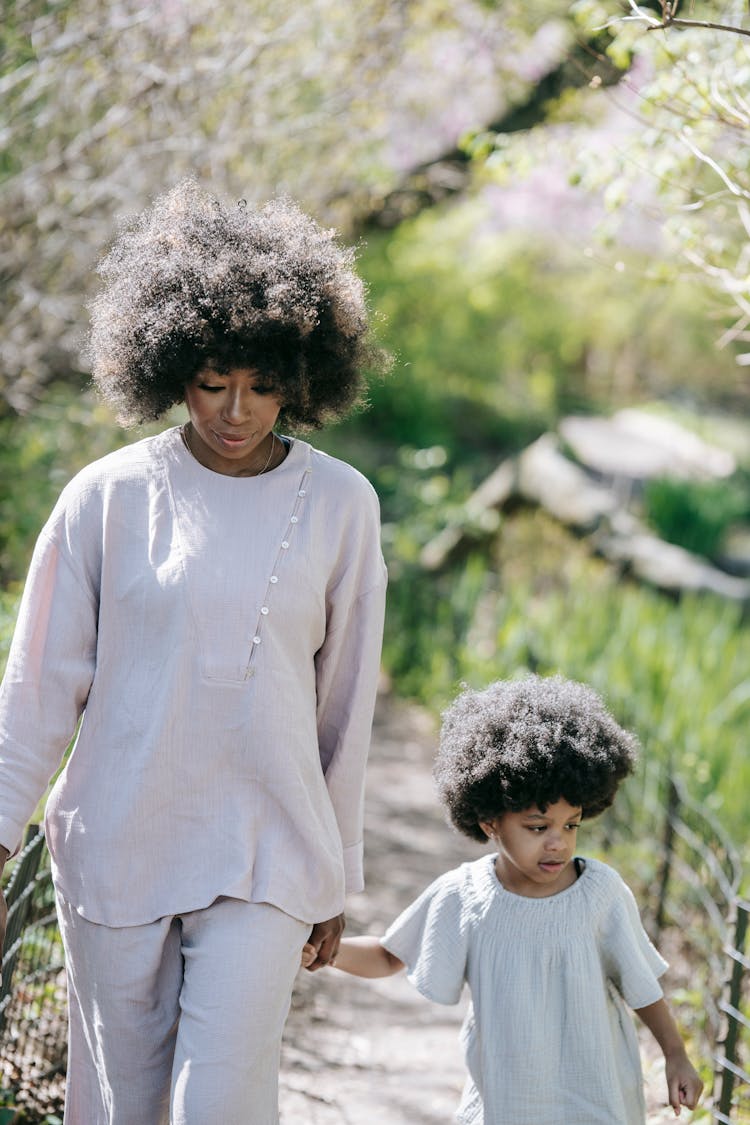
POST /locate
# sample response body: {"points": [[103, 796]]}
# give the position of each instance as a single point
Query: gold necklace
{"points": [[185, 434]]}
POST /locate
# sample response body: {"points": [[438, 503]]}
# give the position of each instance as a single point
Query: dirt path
{"points": [[364, 1052]]}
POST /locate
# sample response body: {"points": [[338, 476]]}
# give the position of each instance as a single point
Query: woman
{"points": [[210, 601]]}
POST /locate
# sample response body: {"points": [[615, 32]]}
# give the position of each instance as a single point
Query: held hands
{"points": [[323, 943], [684, 1084]]}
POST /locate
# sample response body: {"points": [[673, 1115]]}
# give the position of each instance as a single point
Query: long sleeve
{"points": [[347, 674], [46, 683]]}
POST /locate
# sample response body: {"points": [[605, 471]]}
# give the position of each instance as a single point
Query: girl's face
{"points": [[230, 420], [536, 849]]}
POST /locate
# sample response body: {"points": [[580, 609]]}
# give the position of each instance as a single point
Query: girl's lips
{"points": [[551, 864]]}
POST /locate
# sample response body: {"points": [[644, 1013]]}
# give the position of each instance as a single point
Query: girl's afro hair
{"points": [[529, 742], [193, 282]]}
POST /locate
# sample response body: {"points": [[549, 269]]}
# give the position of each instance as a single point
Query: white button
{"points": [[264, 609], [250, 672], [274, 578], [284, 545], [302, 492], [294, 519], [256, 640]]}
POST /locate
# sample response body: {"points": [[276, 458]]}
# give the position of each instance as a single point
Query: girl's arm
{"points": [[684, 1085], [360, 956]]}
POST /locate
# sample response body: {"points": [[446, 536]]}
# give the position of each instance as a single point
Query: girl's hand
{"points": [[324, 939], [684, 1084], [308, 955]]}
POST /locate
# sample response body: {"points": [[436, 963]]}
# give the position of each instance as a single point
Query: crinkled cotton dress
{"points": [[548, 1038]]}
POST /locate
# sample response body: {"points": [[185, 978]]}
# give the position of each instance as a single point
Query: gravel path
{"points": [[375, 1052]]}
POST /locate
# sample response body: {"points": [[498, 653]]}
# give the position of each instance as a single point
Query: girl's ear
{"points": [[488, 827]]}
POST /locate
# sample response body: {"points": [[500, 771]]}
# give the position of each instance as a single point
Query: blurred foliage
{"points": [[696, 515], [668, 144], [38, 455], [107, 105], [674, 671], [498, 333]]}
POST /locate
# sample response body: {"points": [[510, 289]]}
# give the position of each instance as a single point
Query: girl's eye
{"points": [[210, 387], [572, 827]]}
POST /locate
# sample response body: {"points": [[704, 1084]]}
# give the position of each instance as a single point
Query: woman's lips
{"points": [[232, 439]]}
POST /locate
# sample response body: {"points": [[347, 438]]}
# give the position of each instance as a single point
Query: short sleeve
{"points": [[431, 938], [633, 964]]}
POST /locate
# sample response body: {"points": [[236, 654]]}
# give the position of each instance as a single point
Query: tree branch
{"points": [[671, 19], [674, 21]]}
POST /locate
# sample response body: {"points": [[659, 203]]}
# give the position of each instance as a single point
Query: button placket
{"points": [[286, 543]]}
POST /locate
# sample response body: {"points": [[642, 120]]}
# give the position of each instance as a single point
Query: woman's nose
{"points": [[236, 406]]}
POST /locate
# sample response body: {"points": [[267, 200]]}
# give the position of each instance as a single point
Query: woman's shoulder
{"points": [[92, 486], [338, 474], [127, 462]]}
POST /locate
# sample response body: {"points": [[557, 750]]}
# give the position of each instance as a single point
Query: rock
{"points": [[492, 494], [640, 446], [670, 567], [547, 477]]}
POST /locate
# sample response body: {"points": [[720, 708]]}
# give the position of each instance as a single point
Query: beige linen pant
{"points": [[179, 1022]]}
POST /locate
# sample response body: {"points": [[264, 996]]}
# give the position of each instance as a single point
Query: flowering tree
{"points": [[105, 105]]}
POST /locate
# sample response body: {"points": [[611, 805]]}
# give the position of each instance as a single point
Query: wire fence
{"points": [[33, 1016], [694, 902]]}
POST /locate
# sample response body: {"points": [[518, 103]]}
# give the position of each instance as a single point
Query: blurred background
{"points": [[550, 207]]}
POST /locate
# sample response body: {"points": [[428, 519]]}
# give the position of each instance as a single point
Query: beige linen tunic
{"points": [[221, 638]]}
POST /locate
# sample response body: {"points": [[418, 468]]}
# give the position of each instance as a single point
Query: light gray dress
{"points": [[548, 1038]]}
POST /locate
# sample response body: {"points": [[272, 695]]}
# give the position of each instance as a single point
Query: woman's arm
{"points": [[360, 956], [4, 855], [684, 1085]]}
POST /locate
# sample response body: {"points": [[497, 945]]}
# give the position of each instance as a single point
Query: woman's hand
{"points": [[324, 939]]}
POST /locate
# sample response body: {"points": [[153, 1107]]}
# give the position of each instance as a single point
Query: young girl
{"points": [[551, 945]]}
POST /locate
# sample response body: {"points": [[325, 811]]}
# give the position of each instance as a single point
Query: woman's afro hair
{"points": [[529, 742], [194, 282]]}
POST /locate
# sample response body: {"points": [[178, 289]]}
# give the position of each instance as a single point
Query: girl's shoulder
{"points": [[466, 889]]}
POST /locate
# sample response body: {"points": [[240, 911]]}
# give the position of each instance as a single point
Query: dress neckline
{"points": [[498, 888]]}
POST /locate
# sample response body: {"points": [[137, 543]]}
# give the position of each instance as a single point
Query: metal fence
{"points": [[694, 903], [33, 1021]]}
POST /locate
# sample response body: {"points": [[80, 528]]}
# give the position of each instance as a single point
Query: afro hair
{"points": [[529, 742], [193, 283]]}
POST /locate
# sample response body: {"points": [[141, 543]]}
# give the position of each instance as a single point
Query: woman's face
{"points": [[231, 421]]}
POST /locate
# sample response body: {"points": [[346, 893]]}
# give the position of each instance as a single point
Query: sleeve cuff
{"points": [[354, 879]]}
